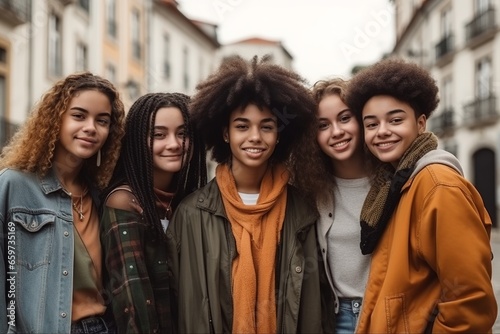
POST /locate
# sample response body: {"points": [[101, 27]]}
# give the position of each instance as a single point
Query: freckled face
{"points": [[390, 127]]}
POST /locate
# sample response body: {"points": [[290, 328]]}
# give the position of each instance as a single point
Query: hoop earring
{"points": [[98, 158]]}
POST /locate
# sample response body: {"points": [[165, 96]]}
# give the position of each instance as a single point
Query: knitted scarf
{"points": [[385, 193], [256, 229]]}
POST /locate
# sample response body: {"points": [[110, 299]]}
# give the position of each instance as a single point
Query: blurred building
{"points": [[459, 42], [140, 45], [249, 47]]}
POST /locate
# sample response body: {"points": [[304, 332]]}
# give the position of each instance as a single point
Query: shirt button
{"points": [[65, 272], [298, 269], [125, 310], [63, 314], [131, 267], [66, 233], [124, 232], [33, 224], [200, 199], [148, 302], [356, 304], [330, 214]]}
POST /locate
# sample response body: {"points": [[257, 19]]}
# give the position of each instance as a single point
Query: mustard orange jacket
{"points": [[434, 255]]}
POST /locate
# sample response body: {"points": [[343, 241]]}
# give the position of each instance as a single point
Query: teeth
{"points": [[341, 143], [253, 150], [384, 144]]}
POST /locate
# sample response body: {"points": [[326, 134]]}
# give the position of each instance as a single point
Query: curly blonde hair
{"points": [[31, 149]]}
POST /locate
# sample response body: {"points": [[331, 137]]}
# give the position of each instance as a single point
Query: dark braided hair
{"points": [[238, 83], [135, 165]]}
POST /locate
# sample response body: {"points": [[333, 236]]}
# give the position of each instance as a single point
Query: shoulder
{"points": [[122, 198], [12, 177], [8, 174], [203, 196], [440, 175]]}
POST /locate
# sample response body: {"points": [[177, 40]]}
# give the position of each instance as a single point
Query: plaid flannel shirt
{"points": [[136, 273]]}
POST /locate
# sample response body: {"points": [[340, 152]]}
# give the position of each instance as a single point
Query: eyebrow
{"points": [[391, 112], [86, 111], [163, 127], [246, 120]]}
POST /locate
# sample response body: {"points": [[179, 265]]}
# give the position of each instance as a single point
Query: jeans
{"points": [[347, 318], [94, 325]]}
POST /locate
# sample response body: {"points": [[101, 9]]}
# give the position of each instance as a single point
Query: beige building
{"points": [[459, 42]]}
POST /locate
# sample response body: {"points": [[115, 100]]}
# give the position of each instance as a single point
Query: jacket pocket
{"points": [[396, 314], [34, 238]]}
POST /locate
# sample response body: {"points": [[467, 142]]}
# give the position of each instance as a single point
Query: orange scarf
{"points": [[256, 229]]}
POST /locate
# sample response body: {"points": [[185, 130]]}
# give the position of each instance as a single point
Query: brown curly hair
{"points": [[31, 149], [334, 86], [398, 78], [238, 83]]}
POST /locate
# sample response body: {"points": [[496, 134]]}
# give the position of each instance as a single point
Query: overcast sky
{"points": [[325, 37]]}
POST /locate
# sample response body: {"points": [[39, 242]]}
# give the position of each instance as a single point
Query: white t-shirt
{"points": [[249, 199]]}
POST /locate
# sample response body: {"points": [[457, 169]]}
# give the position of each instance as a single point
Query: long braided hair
{"points": [[135, 165]]}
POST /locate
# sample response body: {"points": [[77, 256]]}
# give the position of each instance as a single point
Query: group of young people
{"points": [[332, 210]]}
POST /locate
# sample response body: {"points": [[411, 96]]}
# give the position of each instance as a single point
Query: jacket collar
{"points": [[209, 199], [50, 183]]}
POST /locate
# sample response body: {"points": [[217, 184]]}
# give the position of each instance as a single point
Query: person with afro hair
{"points": [[424, 224], [248, 260]]}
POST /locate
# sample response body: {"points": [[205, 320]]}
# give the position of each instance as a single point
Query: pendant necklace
{"points": [[79, 211]]}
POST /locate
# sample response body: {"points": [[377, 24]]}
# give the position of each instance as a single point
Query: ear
{"points": [[421, 123], [225, 135]]}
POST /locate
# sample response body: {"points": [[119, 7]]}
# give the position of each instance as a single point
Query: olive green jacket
{"points": [[201, 236]]}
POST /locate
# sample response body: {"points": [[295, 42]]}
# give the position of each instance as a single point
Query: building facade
{"points": [[140, 45], [459, 42]]}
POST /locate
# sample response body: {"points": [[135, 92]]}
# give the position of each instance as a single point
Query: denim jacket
{"points": [[37, 253]]}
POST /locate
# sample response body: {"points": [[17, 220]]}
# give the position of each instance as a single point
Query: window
{"points": [[481, 6], [166, 56], [85, 5], [446, 94], [81, 57], [484, 78], [111, 73], [446, 27], [136, 34], [185, 67], [54, 49], [111, 18]]}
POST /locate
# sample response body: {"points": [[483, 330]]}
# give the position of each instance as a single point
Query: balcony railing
{"points": [[481, 111], [483, 22], [7, 130], [444, 46], [443, 122], [14, 12]]}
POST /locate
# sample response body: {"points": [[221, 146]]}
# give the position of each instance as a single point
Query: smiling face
{"points": [[252, 134], [84, 127], [168, 135], [390, 127], [339, 134]]}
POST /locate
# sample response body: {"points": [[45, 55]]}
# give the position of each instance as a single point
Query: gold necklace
{"points": [[80, 212]]}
